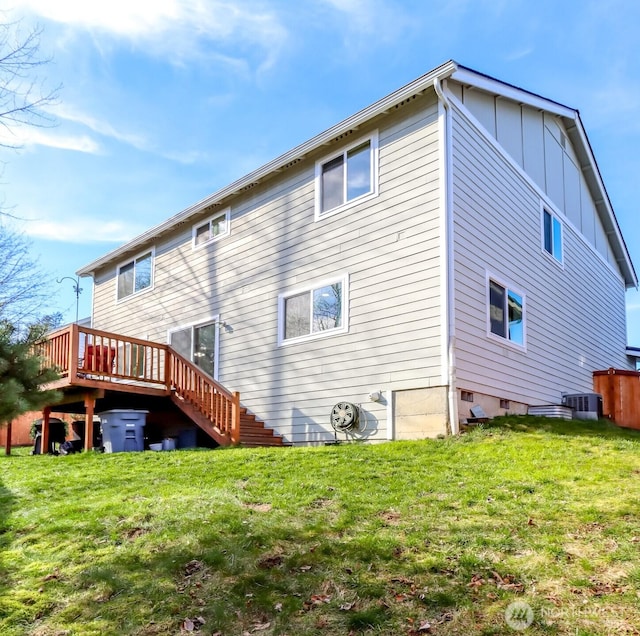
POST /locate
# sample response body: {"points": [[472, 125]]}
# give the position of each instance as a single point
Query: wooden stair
{"points": [[253, 432], [200, 420], [91, 362]]}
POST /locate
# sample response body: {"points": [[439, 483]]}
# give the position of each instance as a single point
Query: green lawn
{"points": [[402, 538]]}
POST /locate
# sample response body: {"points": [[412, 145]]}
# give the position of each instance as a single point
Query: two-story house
{"points": [[452, 244]]}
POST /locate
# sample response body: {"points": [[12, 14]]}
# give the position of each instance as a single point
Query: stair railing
{"points": [[82, 355], [191, 384]]}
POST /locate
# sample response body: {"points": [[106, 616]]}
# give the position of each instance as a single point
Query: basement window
{"points": [[466, 396]]}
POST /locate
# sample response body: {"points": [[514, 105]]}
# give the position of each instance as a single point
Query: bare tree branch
{"points": [[23, 95], [23, 287]]}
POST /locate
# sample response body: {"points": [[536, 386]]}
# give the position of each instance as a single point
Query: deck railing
{"points": [[85, 356], [206, 395]]}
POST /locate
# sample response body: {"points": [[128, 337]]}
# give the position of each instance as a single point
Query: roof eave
{"points": [[279, 163], [604, 205], [484, 82]]}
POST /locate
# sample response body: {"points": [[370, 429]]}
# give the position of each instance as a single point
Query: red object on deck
{"points": [[100, 358]]}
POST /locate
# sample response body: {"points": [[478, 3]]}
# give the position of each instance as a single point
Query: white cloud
{"points": [[103, 128], [80, 230], [188, 157], [26, 137], [378, 17], [129, 18], [520, 53], [174, 29]]}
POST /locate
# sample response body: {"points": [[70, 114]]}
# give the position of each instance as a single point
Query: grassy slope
{"points": [[399, 538]]}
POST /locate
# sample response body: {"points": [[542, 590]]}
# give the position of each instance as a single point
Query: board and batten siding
{"points": [[538, 142], [574, 314], [388, 246]]}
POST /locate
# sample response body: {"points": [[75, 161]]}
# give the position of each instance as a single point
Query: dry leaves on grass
{"points": [[192, 567], [426, 626], [600, 588], [258, 507], [390, 517], [134, 533], [423, 627], [195, 573], [190, 625], [506, 582], [270, 561], [315, 601]]}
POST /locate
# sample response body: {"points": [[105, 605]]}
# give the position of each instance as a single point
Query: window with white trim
{"points": [[552, 234], [212, 229], [312, 312], [136, 275], [506, 313], [347, 177]]}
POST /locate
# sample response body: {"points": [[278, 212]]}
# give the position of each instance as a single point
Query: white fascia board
{"points": [[293, 156], [483, 82], [614, 233]]}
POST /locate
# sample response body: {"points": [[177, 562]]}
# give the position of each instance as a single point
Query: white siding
{"points": [[588, 215], [533, 144], [554, 177], [538, 142], [575, 318], [483, 107], [573, 192], [509, 128], [389, 248]]}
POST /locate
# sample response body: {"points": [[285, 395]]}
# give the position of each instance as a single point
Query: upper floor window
{"points": [[315, 311], [552, 234], [347, 177], [212, 229], [136, 275], [506, 313]]}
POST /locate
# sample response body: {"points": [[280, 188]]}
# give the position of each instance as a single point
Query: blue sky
{"points": [[166, 101]]}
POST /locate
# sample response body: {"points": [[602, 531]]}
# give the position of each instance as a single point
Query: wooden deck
{"points": [[93, 363]]}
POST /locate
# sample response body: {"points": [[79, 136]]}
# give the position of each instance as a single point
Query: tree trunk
{"points": [[7, 446]]}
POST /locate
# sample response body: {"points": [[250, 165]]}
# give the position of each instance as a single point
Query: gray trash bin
{"points": [[123, 430], [188, 438]]}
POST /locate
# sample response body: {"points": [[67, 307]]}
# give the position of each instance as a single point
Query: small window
{"points": [[313, 312], [505, 404], [506, 313], [212, 229], [552, 235], [347, 177], [466, 396], [135, 276]]}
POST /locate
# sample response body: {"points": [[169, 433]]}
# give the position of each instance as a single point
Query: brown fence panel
{"points": [[620, 390]]}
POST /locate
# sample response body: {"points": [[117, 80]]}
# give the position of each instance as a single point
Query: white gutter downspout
{"points": [[446, 255]]}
